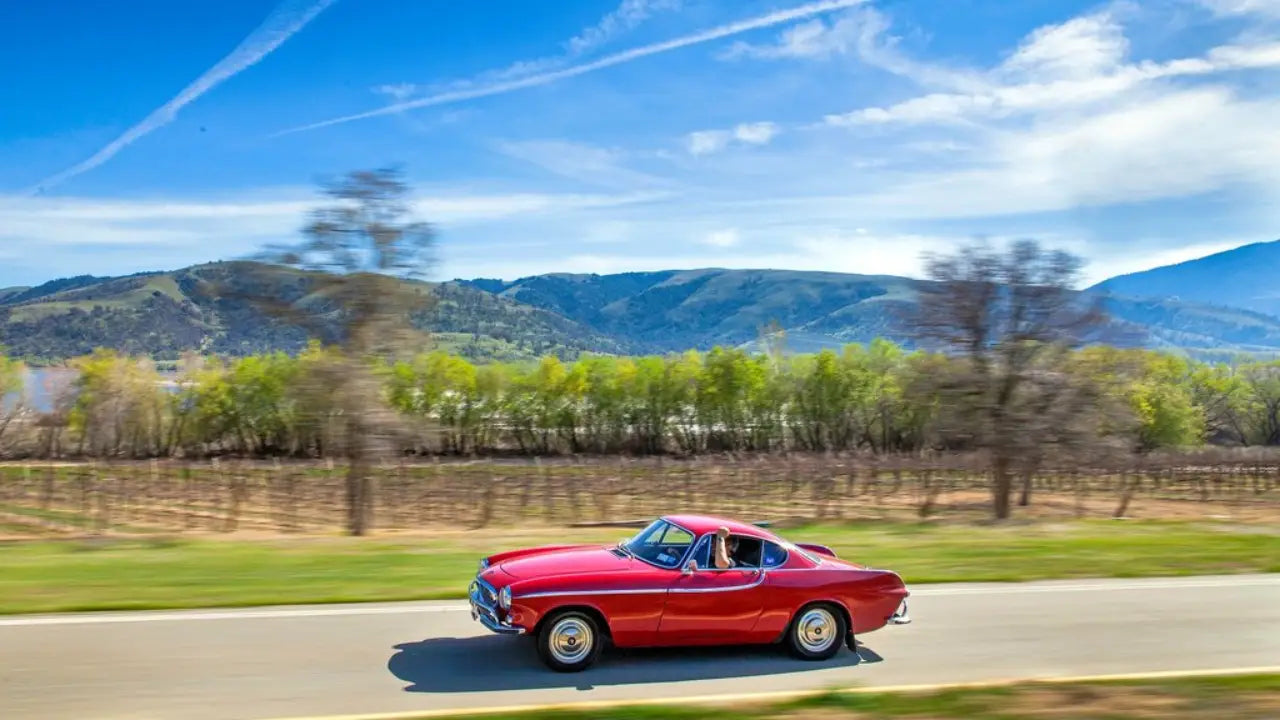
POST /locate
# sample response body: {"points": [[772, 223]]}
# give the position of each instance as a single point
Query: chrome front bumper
{"points": [[484, 608]]}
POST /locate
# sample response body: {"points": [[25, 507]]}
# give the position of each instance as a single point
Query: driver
{"points": [[724, 549]]}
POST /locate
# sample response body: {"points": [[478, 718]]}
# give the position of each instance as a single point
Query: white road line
{"points": [[926, 591], [1016, 589], [146, 616]]}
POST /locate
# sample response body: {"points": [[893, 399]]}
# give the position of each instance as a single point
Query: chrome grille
{"points": [[488, 595]]}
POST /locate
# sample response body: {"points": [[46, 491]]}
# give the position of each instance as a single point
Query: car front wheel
{"points": [[817, 632], [569, 641]]}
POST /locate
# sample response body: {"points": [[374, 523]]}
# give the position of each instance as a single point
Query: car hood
{"points": [[566, 562]]}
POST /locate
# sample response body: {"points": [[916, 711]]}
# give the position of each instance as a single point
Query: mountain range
{"points": [[1224, 303], [1246, 277]]}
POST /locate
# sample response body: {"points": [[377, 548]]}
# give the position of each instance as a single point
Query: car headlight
{"points": [[484, 564], [504, 598]]}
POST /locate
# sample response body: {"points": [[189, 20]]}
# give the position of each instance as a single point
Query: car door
{"points": [[709, 606]]}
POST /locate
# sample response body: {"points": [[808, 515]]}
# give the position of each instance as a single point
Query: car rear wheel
{"points": [[569, 641], [817, 632]]}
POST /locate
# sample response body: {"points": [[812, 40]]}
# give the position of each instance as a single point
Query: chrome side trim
{"points": [[759, 580], [647, 591], [565, 593]]}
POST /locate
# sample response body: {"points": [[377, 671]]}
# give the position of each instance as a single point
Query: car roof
{"points": [[703, 524]]}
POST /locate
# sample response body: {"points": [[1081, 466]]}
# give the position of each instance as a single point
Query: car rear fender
{"points": [[816, 548]]}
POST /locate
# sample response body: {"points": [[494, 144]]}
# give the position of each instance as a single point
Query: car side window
{"points": [[772, 555], [702, 553], [676, 536]]}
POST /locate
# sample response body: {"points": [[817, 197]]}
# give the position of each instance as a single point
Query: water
{"points": [[41, 386]]}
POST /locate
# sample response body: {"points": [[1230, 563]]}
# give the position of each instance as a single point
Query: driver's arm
{"points": [[721, 547]]}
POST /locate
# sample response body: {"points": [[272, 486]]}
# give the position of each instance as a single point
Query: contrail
{"points": [[288, 18], [723, 31]]}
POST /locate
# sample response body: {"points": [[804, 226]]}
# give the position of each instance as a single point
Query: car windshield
{"points": [[662, 544]]}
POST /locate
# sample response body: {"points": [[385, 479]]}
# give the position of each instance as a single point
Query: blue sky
{"points": [[616, 135]]}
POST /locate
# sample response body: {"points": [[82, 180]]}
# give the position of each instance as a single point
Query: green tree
{"points": [[1163, 405], [12, 373], [120, 406], [659, 390], [1154, 390], [536, 407], [1223, 396], [819, 413], [1263, 381], [733, 396]]}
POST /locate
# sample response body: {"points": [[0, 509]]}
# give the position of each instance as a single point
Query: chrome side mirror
{"points": [[690, 567]]}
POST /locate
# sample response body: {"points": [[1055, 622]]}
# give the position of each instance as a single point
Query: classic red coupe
{"points": [[662, 587]]}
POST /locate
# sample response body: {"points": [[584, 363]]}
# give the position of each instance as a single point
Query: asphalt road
{"points": [[334, 660]]}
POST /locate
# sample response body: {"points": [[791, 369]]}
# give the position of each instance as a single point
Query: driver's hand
{"points": [[722, 533]]}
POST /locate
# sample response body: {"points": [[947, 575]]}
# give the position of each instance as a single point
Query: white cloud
{"points": [[204, 230], [398, 91], [813, 39], [500, 88], [828, 251], [582, 162], [862, 33], [723, 238], [1175, 145], [1076, 64], [759, 133], [286, 20], [708, 142], [471, 209], [1243, 7], [866, 254], [1080, 47], [625, 17]]}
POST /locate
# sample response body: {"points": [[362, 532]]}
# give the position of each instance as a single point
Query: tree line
{"points": [[878, 398]]}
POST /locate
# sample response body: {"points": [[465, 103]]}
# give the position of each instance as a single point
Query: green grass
{"points": [[1014, 553], [159, 572], [1245, 697]]}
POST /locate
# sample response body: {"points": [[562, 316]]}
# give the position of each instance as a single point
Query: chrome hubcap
{"points": [[816, 630], [570, 640]]}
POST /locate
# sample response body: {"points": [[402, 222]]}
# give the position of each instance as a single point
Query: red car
{"points": [[660, 588]]}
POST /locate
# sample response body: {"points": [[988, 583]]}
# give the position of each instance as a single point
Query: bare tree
{"points": [[363, 256], [1013, 317]]}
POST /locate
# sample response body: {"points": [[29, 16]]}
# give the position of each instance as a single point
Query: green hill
{"points": [[675, 310], [163, 314], [205, 308]]}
